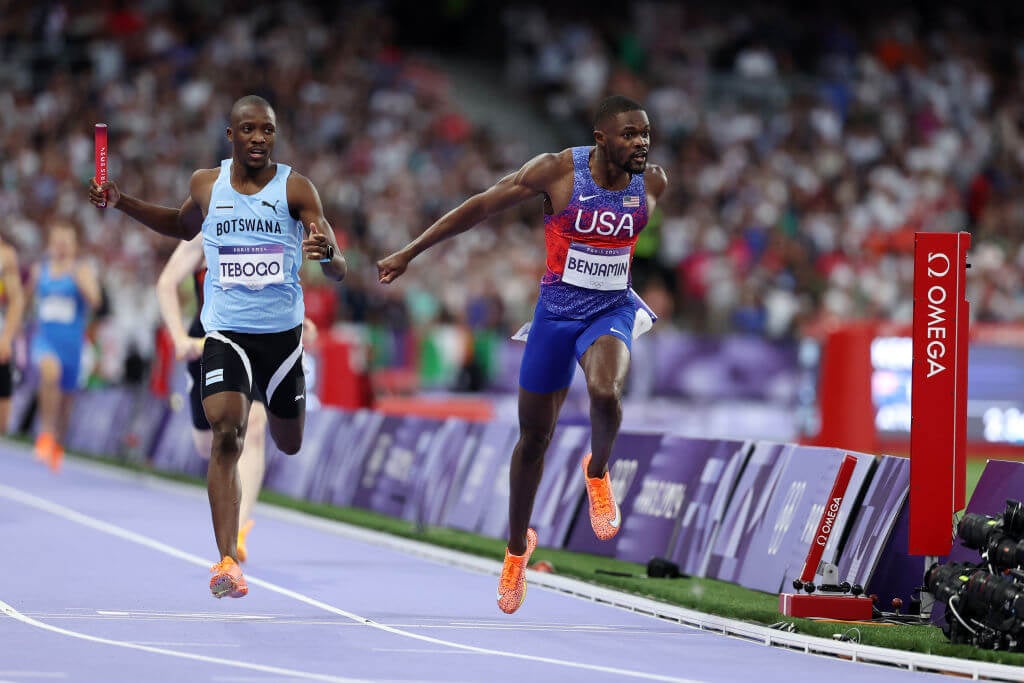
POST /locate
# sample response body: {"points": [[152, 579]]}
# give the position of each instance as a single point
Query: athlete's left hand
{"points": [[316, 247]]}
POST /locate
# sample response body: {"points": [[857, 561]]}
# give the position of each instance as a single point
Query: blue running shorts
{"points": [[555, 345]]}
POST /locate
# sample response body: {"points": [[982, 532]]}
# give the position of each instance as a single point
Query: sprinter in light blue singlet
{"points": [[253, 248], [259, 219]]}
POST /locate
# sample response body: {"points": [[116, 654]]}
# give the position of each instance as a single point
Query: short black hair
{"points": [[246, 101], [612, 106]]}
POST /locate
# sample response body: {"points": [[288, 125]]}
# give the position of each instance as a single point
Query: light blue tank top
{"points": [[253, 250]]}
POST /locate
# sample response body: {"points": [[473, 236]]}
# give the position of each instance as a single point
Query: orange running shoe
{"points": [[56, 457], [45, 443], [228, 580], [243, 533], [605, 516], [512, 584]]}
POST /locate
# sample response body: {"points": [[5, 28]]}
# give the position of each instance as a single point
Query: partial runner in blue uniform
{"points": [[258, 219], [65, 291], [596, 202]]}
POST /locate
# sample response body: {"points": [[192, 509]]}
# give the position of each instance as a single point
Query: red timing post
{"points": [[938, 396]]}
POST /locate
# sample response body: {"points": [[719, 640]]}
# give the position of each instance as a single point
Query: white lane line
{"points": [[305, 675], [34, 674], [159, 643], [114, 530], [421, 651]]}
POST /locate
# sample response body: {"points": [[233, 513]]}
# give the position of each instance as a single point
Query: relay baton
{"points": [[101, 156]]}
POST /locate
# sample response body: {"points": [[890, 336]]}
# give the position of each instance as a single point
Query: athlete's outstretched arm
{"points": [[183, 262], [534, 178], [320, 243], [183, 223]]}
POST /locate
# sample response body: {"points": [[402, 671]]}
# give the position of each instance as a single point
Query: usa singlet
{"points": [[253, 251], [590, 244]]}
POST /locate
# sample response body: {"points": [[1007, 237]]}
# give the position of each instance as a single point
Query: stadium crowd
{"points": [[803, 152]]}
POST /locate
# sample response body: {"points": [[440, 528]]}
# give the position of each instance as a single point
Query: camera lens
{"points": [[1013, 519], [974, 529], [1006, 553]]}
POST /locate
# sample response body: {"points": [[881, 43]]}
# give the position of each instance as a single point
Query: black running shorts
{"points": [[264, 367]]}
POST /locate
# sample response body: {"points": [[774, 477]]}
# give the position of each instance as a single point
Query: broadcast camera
{"points": [[998, 539], [985, 601]]}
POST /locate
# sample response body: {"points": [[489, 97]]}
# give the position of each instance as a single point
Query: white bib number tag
{"points": [[253, 267], [606, 269], [57, 309]]}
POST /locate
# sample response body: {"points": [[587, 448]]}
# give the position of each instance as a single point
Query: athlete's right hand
{"points": [[390, 267], [104, 196]]}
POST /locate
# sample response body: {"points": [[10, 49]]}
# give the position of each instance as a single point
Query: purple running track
{"points": [[103, 577]]}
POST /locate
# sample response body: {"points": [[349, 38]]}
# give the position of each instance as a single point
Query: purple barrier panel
{"points": [[748, 500], [482, 476], [897, 573], [175, 450], [871, 536], [561, 488], [292, 474], [682, 471], [494, 522], [630, 461], [387, 477], [149, 413], [433, 482], [698, 525], [22, 396], [773, 514], [98, 419], [320, 481], [76, 434], [347, 457]]}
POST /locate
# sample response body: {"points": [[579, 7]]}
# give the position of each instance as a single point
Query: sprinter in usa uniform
{"points": [[596, 202]]}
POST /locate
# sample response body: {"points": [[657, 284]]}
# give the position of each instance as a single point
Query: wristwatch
{"points": [[329, 256]]}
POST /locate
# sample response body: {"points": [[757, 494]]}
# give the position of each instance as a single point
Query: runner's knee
{"points": [[227, 440], [605, 396], [533, 442]]}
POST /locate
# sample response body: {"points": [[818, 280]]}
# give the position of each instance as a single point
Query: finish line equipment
{"points": [[842, 604]]}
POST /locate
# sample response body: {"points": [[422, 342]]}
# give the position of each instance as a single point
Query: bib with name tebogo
{"points": [[253, 267]]}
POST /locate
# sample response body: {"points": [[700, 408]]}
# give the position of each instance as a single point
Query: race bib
{"points": [[57, 309], [596, 267], [253, 267]]}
